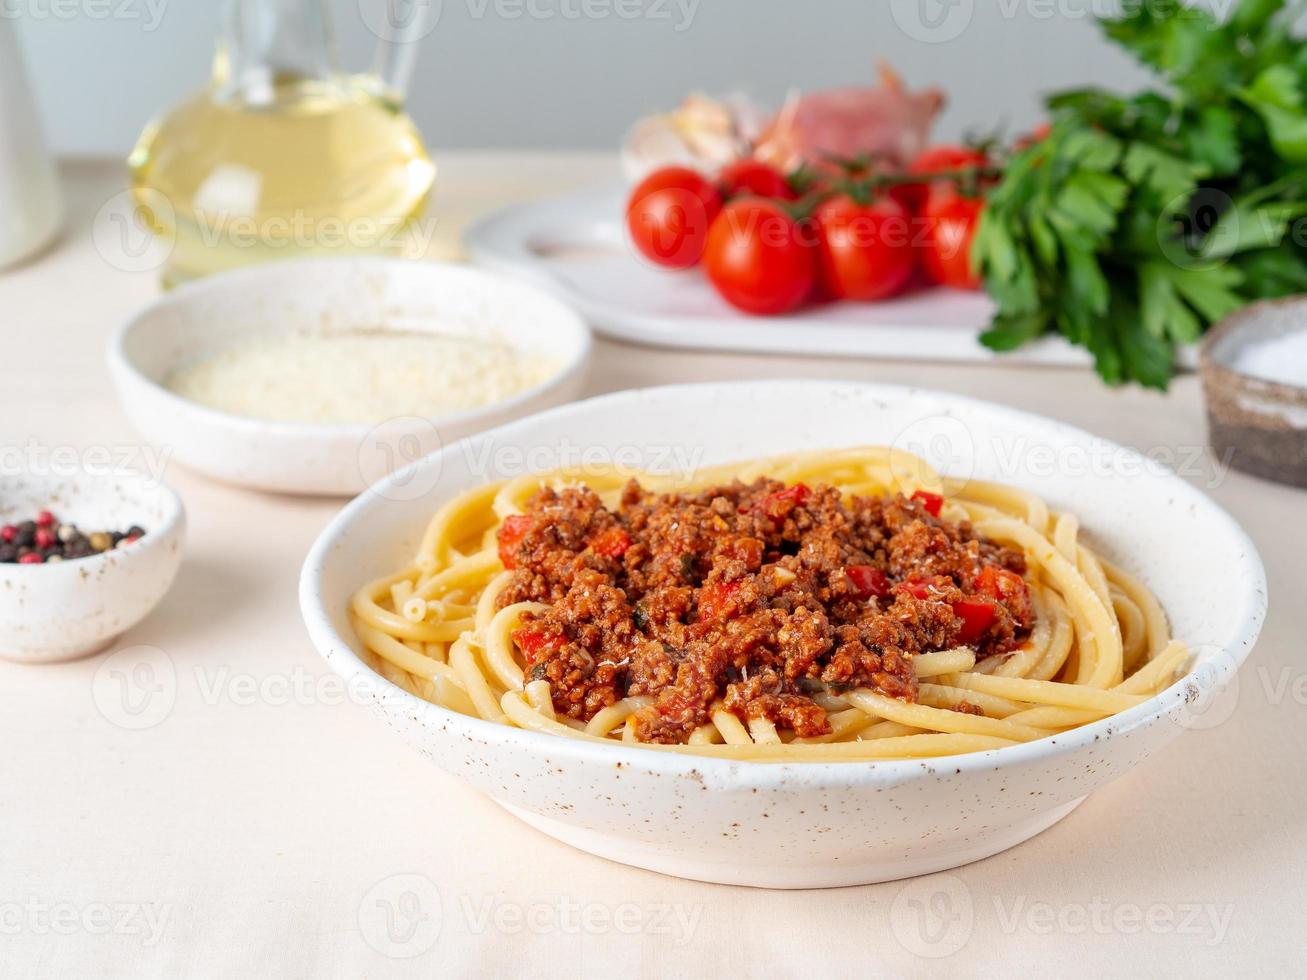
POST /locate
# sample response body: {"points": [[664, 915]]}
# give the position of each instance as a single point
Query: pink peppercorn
{"points": [[45, 519], [44, 538], [8, 533], [31, 558]]}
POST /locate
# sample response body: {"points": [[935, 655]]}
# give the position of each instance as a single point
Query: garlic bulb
{"points": [[703, 133]]}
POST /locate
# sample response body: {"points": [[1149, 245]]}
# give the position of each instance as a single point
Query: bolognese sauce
{"points": [[748, 598]]}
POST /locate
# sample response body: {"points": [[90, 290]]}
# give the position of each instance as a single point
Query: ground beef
{"points": [[750, 597]]}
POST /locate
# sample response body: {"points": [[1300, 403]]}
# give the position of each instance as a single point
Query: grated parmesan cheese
{"points": [[357, 377]]}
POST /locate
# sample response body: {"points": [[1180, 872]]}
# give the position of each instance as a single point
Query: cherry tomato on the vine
{"points": [[945, 158], [758, 259], [865, 250], [668, 216], [755, 178], [950, 228], [1036, 135]]}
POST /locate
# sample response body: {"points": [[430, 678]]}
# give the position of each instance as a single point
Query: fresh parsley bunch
{"points": [[1139, 220]]}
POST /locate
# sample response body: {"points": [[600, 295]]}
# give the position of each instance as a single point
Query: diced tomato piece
{"points": [[933, 502], [612, 543], [717, 601], [1008, 588], [868, 580], [917, 589], [977, 614], [998, 582], [779, 504], [511, 533], [536, 644]]}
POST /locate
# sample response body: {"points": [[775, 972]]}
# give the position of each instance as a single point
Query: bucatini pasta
{"points": [[825, 606]]}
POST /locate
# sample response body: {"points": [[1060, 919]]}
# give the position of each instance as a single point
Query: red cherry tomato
{"points": [[756, 178], [937, 160], [945, 157], [865, 251], [668, 216], [758, 259], [950, 228], [1036, 135]]}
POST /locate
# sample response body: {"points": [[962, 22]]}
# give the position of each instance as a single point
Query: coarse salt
{"points": [[1282, 359]]}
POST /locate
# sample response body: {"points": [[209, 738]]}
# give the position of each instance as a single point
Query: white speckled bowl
{"points": [[55, 612], [811, 825], [208, 315]]}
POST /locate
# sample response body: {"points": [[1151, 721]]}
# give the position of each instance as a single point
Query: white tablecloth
{"points": [[266, 826]]}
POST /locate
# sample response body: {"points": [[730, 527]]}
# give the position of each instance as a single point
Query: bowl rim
{"points": [[730, 773], [174, 514], [125, 370]]}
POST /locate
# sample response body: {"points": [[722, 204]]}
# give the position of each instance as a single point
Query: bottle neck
{"points": [[267, 46]]}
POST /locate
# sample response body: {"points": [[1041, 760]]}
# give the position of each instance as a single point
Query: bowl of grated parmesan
{"points": [[322, 376]]}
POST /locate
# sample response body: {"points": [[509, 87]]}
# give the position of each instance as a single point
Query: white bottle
{"points": [[31, 206]]}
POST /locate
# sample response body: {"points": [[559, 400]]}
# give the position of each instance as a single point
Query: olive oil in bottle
{"points": [[283, 155]]}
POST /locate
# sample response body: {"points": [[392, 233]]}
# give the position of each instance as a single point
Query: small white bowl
{"points": [[810, 824], [55, 612], [210, 314]]}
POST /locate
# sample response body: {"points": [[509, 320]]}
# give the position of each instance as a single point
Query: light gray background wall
{"points": [[574, 73]]}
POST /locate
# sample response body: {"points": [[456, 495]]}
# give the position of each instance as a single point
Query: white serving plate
{"points": [[808, 825], [209, 314], [575, 246], [55, 612]]}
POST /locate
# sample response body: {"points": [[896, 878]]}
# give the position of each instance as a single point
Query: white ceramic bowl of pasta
{"points": [[61, 611], [211, 315], [809, 824]]}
